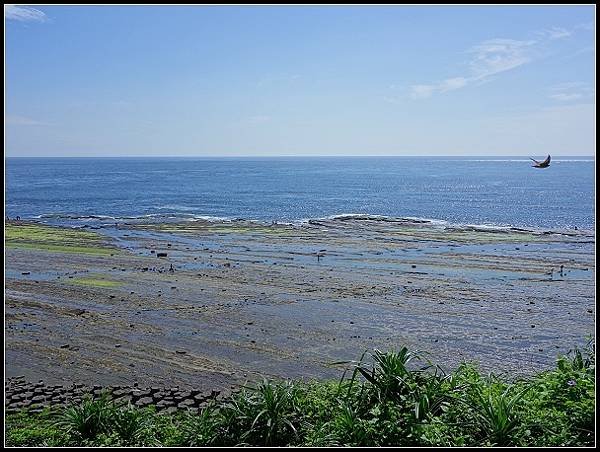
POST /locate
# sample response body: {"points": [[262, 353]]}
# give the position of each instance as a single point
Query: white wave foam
{"points": [[554, 160], [70, 219]]}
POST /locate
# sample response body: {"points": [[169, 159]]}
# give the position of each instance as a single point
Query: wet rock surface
{"points": [[338, 288]]}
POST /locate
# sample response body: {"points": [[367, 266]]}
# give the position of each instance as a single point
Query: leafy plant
{"points": [[434, 394], [382, 403], [90, 418], [389, 374], [274, 407], [201, 429], [131, 425], [499, 415]]}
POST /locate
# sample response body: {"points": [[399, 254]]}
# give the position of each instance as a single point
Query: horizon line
{"points": [[291, 156]]}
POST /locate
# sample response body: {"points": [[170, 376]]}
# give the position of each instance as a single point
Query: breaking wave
{"points": [[344, 219]]}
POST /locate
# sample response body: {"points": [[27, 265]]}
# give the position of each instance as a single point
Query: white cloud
{"points": [[498, 55], [568, 91], [586, 49], [492, 57], [424, 91], [566, 97], [588, 26], [24, 14], [489, 58], [555, 33], [392, 99], [568, 85]]}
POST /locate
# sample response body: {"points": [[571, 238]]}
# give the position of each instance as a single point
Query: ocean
{"points": [[491, 191]]}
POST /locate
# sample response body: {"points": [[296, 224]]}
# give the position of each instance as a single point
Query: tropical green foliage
{"points": [[89, 419], [392, 398]]}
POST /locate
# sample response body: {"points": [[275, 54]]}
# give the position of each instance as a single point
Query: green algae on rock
{"points": [[55, 239]]}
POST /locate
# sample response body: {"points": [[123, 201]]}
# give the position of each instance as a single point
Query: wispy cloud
{"points": [[15, 120], [24, 14], [588, 26], [586, 49], [423, 91], [565, 96], [555, 33], [498, 55], [569, 91], [489, 58]]}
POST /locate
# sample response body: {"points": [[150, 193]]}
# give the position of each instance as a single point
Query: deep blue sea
{"points": [[500, 191]]}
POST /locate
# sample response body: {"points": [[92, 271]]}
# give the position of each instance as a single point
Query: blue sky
{"points": [[265, 81]]}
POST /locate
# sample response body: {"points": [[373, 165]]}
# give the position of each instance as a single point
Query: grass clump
{"points": [[89, 419], [385, 399], [28, 430]]}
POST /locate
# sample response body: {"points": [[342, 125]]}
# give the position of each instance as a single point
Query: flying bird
{"points": [[544, 164]]}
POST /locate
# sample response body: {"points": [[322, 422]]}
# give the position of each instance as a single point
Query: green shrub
{"points": [[201, 429], [132, 426], [24, 429], [90, 418], [384, 403]]}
